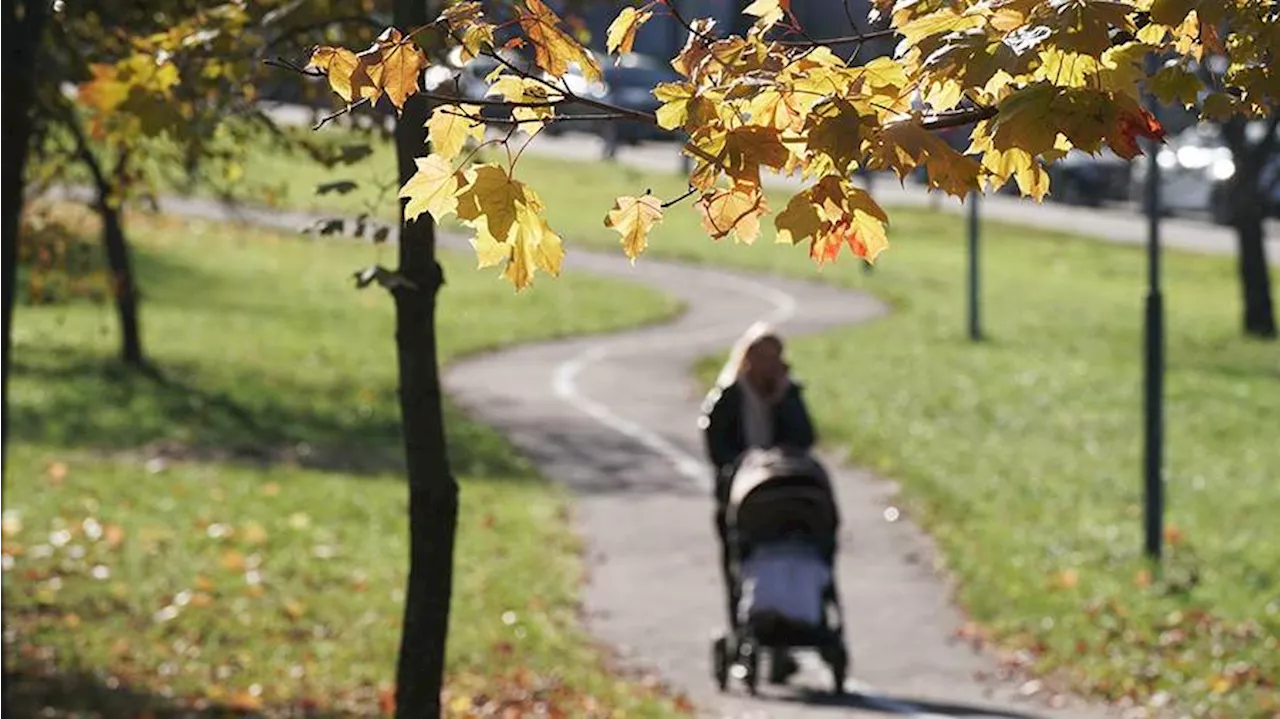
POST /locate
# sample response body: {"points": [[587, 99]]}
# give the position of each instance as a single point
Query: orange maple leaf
{"points": [[1130, 124]]}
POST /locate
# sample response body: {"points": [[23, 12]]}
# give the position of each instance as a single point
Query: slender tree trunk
{"points": [[116, 246], [433, 492], [22, 24], [123, 285]]}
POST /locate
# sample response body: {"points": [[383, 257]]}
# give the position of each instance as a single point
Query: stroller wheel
{"points": [[720, 661]]}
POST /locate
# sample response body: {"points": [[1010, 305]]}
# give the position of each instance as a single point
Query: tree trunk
{"points": [[1248, 213], [1255, 277], [433, 492], [116, 245], [21, 28], [123, 286]]}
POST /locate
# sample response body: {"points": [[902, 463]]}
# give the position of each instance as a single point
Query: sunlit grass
{"points": [[233, 534]]}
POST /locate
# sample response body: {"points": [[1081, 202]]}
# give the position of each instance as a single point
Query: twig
{"points": [[335, 115], [692, 190], [843, 40], [293, 66]]}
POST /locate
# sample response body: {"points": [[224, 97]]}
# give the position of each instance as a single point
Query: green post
{"points": [[975, 319]]}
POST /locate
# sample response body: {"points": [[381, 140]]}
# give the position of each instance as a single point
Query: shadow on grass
{"points": [[180, 413], [28, 696]]}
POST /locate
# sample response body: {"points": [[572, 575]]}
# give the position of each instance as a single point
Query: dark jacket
{"points": [[723, 432]]}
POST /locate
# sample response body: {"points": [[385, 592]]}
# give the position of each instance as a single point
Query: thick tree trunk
{"points": [[22, 24], [1255, 277], [433, 492], [1248, 213]]}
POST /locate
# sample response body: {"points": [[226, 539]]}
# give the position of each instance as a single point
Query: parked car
{"points": [[1196, 168], [630, 84], [1080, 178]]}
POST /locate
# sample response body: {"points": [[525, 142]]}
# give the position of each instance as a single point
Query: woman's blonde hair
{"points": [[736, 363]]}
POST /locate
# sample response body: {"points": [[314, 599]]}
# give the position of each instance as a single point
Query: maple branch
{"points": [[959, 118], [339, 113], [692, 190], [288, 64], [842, 40]]}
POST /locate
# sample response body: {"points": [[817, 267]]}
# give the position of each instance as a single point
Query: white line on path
{"points": [[564, 384]]}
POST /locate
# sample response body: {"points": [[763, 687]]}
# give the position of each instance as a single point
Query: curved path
{"points": [[614, 418]]}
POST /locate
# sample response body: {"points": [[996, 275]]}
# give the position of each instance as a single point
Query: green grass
{"points": [[1022, 454], [233, 534]]}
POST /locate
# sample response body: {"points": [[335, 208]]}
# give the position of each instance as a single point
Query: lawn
{"points": [[232, 534], [1022, 454]]}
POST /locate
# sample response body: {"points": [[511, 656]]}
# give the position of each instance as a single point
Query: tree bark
{"points": [[116, 245], [433, 492], [1255, 279], [1248, 205], [22, 24], [124, 288]]}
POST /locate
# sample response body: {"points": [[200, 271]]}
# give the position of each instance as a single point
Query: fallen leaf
{"points": [[254, 533], [243, 701], [1066, 579], [56, 472], [232, 560], [294, 609], [114, 535]]}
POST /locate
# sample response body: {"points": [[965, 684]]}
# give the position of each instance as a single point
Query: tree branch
{"points": [[843, 40]]}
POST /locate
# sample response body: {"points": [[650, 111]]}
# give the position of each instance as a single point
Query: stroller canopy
{"points": [[776, 492]]}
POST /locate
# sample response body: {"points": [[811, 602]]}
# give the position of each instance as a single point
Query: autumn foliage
{"points": [[1032, 80]]}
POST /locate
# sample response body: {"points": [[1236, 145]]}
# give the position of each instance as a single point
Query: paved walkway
{"points": [[613, 418]]}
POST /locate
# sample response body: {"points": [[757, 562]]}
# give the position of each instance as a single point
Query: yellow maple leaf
{"points": [[622, 31], [798, 221], [633, 218], [394, 64], [450, 126], [1176, 84], [903, 145], [534, 247], [489, 252], [490, 194], [736, 210], [432, 188], [675, 97], [835, 134], [554, 50], [768, 12], [468, 19], [339, 65]]}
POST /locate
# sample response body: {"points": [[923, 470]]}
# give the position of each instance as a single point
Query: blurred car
{"points": [[629, 84], [1080, 178], [1196, 169]]}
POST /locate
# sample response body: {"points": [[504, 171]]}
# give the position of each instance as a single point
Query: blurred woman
{"points": [[755, 404]]}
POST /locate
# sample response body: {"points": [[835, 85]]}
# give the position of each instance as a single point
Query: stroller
{"points": [[782, 520]]}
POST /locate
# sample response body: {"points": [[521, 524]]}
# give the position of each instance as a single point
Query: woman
{"points": [[754, 404]]}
